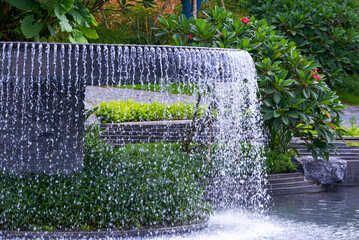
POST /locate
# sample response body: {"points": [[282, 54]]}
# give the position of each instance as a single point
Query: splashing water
{"points": [[42, 88]]}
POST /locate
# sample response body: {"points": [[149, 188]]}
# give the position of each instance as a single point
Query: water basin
{"points": [[326, 215]]}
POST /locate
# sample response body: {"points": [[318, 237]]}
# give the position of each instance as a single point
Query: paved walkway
{"points": [[351, 111], [94, 95]]}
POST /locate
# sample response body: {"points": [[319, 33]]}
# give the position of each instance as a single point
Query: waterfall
{"points": [[41, 105]]}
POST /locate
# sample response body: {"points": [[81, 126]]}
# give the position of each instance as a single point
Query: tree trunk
{"points": [[104, 18], [194, 6], [161, 11]]}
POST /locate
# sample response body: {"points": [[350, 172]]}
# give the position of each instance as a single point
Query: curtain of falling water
{"points": [[43, 104], [41, 96]]}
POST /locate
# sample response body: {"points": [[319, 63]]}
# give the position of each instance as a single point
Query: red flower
{"points": [[190, 37], [331, 126], [245, 20], [315, 74], [316, 77]]}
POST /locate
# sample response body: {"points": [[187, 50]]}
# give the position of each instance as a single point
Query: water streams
{"points": [[42, 89]]}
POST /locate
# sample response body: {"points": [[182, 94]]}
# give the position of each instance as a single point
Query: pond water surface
{"points": [[327, 215]]}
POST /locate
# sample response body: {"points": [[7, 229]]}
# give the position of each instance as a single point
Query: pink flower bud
{"points": [[317, 77], [245, 20]]}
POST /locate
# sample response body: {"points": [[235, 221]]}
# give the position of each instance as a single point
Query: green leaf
{"points": [[81, 15], [64, 22], [292, 115], [89, 32], [57, 7], [277, 123], [77, 37], [30, 28], [285, 120], [277, 97], [25, 5], [326, 154], [268, 116], [276, 114], [51, 30], [245, 43], [306, 93]]}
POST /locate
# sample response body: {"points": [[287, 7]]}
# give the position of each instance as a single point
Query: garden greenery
{"points": [[131, 111], [277, 162], [46, 21], [350, 85], [136, 186], [145, 185], [173, 88], [294, 96], [326, 31]]}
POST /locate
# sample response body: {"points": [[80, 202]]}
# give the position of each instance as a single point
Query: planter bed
{"points": [[152, 131]]}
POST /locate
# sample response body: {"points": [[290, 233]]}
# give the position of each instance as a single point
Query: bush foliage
{"points": [[294, 96], [350, 85], [325, 31], [46, 21], [173, 88], [131, 111], [137, 186], [277, 162]]}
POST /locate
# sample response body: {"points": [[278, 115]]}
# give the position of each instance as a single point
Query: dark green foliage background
{"points": [[326, 31], [293, 101]]}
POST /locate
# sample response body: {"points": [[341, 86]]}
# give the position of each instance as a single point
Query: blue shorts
{"points": [[187, 9]]}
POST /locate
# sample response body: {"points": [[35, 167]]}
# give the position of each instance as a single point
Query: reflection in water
{"points": [[339, 207], [327, 215]]}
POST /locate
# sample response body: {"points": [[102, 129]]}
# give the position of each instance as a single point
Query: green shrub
{"points": [[349, 85], [277, 162], [326, 31], [131, 111], [174, 88], [353, 130], [294, 95], [137, 186]]}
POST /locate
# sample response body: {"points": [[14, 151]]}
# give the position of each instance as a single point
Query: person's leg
{"points": [[187, 8], [198, 5]]}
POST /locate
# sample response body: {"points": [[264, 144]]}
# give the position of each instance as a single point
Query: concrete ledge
{"points": [[102, 234], [118, 134]]}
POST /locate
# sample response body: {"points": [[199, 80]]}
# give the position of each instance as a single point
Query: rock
{"points": [[322, 171]]}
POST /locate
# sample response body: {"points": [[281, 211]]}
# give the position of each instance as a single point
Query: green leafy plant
{"points": [[294, 95], [131, 111], [278, 162], [353, 130], [350, 84], [326, 31], [174, 88], [60, 21]]}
